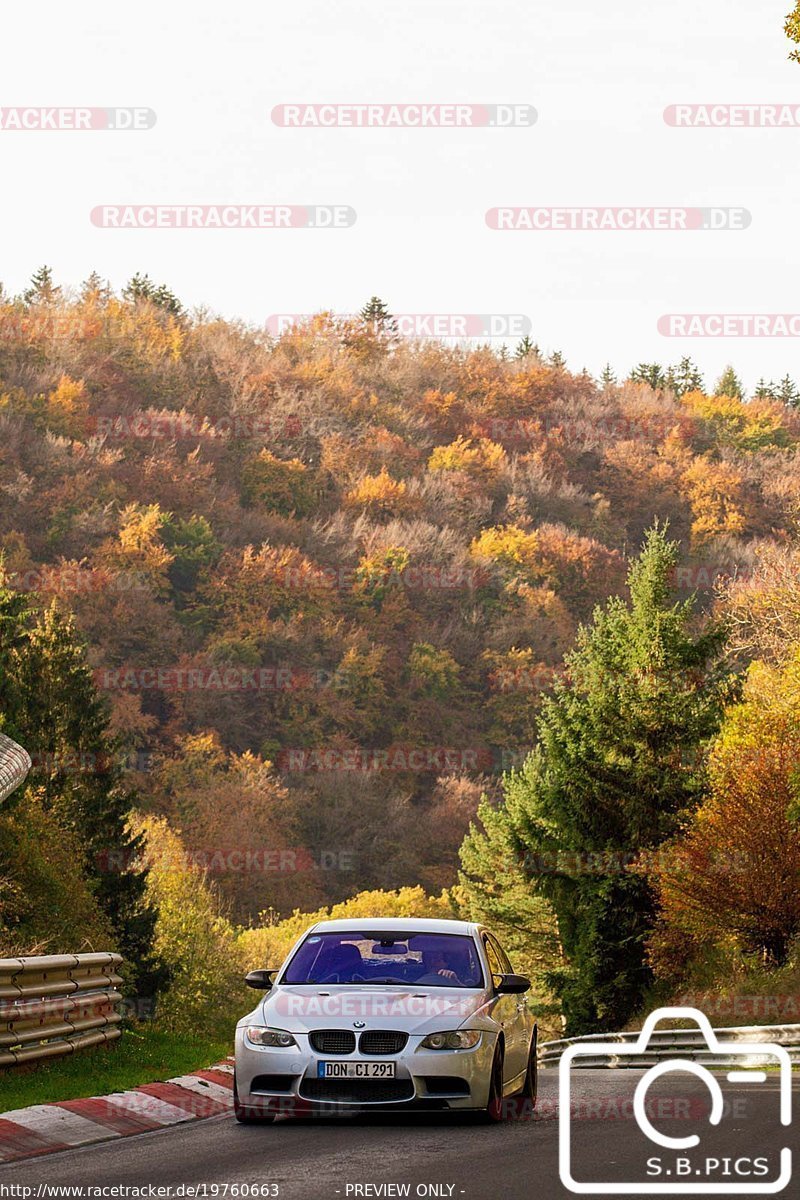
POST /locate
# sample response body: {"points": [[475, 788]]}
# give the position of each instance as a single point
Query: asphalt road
{"points": [[443, 1156]]}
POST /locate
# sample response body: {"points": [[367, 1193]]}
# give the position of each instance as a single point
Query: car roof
{"points": [[395, 924]]}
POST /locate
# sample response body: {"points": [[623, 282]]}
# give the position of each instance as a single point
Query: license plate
{"points": [[356, 1070]]}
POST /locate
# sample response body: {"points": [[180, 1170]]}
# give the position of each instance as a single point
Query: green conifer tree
{"points": [[51, 700], [729, 384], [376, 314], [649, 373], [141, 289], [616, 765], [685, 377], [42, 290], [525, 347], [788, 392]]}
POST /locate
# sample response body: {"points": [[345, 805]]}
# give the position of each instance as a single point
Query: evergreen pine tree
{"points": [[788, 392], [649, 373], [14, 612], [525, 346], [140, 288], [64, 725], [615, 767], [494, 886], [608, 378], [376, 314], [42, 290], [685, 377], [729, 384]]}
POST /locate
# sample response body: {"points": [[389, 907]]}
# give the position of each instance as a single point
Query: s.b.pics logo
{"points": [[710, 1138]]}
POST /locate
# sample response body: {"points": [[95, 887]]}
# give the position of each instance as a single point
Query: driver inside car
{"points": [[438, 967]]}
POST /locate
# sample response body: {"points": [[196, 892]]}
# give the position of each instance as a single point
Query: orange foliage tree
{"points": [[380, 496], [734, 873], [717, 494]]}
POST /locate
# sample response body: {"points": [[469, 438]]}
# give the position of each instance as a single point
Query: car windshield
{"points": [[358, 957]]}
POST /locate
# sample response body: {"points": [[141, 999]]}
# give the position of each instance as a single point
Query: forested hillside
{"points": [[327, 580]]}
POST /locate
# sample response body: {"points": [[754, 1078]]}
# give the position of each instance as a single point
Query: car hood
{"points": [[302, 1008]]}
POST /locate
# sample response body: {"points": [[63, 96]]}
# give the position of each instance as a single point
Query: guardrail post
{"points": [[57, 1004], [671, 1043]]}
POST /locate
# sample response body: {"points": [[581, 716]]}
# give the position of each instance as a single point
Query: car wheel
{"points": [[245, 1115], [494, 1106], [531, 1084]]}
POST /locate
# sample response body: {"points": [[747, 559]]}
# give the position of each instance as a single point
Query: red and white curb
{"points": [[45, 1128]]}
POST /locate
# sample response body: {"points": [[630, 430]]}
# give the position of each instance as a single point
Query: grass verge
{"points": [[139, 1056]]}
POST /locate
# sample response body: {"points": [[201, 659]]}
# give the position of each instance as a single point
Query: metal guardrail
{"points": [[672, 1043], [14, 766], [56, 1004]]}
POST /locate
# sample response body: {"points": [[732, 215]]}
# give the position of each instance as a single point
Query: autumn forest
{"points": [[318, 594]]}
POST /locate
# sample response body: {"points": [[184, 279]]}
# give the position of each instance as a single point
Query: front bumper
{"points": [[286, 1080]]}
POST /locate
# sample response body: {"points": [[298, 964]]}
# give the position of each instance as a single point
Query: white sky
{"points": [[599, 75]]}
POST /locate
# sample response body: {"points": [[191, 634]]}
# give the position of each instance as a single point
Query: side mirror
{"points": [[262, 980], [512, 985]]}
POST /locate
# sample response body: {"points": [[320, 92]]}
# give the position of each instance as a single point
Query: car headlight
{"points": [[269, 1037], [458, 1039]]}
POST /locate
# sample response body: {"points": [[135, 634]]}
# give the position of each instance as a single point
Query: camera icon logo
{"points": [[678, 1171]]}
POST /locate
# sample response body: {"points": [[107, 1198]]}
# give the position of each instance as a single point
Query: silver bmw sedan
{"points": [[388, 1014]]}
